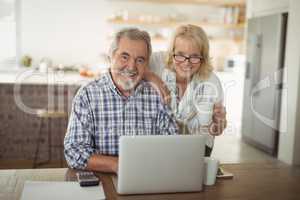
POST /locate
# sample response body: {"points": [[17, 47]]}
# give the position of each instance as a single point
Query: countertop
{"points": [[30, 76], [36, 77]]}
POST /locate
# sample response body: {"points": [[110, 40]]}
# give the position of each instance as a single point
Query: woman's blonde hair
{"points": [[198, 36]]}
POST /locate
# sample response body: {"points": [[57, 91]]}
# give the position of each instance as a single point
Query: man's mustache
{"points": [[127, 72]]}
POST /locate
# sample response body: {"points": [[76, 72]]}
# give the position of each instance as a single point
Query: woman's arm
{"points": [[219, 121]]}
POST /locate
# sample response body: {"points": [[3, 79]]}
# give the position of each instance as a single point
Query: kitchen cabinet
{"points": [[19, 130]]}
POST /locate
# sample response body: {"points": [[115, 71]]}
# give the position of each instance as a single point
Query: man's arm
{"points": [[79, 141], [102, 163]]}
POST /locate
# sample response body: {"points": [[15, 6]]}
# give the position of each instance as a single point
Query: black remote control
{"points": [[87, 179]]}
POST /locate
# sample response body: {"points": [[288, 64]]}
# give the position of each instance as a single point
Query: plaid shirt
{"points": [[101, 114]]}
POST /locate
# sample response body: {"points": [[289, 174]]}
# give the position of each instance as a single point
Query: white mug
{"points": [[205, 110], [211, 166]]}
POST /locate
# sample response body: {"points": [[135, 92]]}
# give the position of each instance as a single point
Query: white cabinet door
{"points": [[266, 7]]}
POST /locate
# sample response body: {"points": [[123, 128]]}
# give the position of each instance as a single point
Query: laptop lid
{"points": [[160, 164]]}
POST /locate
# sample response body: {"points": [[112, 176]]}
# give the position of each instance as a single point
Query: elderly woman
{"points": [[186, 75]]}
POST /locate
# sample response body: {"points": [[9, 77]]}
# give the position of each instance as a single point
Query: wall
{"points": [[266, 7], [69, 31], [75, 31], [7, 32]]}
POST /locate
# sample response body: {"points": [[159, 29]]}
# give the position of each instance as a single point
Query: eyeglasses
{"points": [[191, 59]]}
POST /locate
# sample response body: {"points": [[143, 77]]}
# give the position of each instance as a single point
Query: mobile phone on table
{"points": [[224, 174], [86, 178]]}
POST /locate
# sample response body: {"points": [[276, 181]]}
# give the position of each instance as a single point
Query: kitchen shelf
{"points": [[227, 39], [223, 3], [173, 23], [211, 39], [226, 35]]}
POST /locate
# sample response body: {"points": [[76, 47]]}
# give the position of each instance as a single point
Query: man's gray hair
{"points": [[132, 34]]}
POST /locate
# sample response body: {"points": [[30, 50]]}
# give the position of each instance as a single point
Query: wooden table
{"points": [[251, 181]]}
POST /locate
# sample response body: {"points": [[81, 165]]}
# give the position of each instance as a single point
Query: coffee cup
{"points": [[211, 166], [205, 112]]}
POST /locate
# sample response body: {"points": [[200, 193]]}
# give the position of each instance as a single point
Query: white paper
{"points": [[41, 190]]}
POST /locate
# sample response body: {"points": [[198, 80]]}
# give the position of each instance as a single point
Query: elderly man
{"points": [[119, 103]]}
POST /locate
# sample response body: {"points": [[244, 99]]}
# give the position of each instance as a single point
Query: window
{"points": [[8, 33]]}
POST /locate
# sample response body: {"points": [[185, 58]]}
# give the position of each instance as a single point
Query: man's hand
{"points": [[158, 85], [219, 120], [163, 91]]}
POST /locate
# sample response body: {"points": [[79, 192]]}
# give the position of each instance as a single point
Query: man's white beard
{"points": [[127, 84]]}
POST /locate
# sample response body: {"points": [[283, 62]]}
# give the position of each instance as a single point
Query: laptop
{"points": [[160, 164]]}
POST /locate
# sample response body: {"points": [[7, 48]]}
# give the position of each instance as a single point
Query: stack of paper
{"points": [[37, 190]]}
